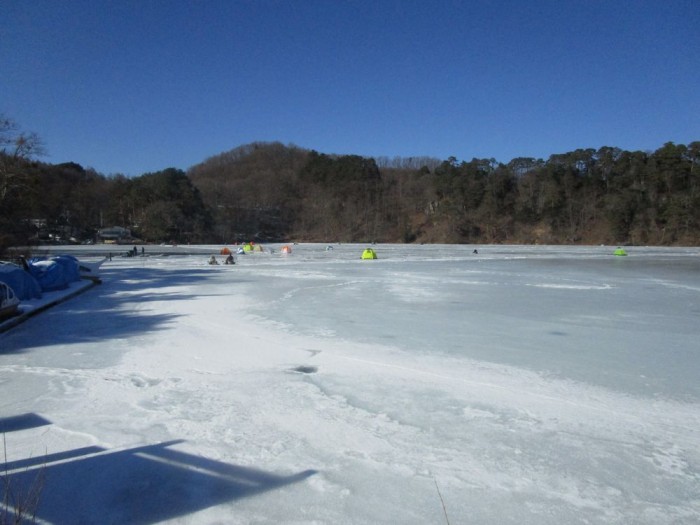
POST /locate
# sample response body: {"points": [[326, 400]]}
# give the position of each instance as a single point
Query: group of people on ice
{"points": [[229, 260]]}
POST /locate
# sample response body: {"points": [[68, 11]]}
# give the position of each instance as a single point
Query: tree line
{"points": [[276, 192]]}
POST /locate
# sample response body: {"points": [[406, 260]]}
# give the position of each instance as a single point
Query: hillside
{"points": [[271, 191], [276, 192]]}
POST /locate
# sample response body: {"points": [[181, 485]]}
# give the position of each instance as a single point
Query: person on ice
{"points": [[212, 260], [230, 259]]}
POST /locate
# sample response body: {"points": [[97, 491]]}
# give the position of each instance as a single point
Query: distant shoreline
{"points": [[487, 250]]}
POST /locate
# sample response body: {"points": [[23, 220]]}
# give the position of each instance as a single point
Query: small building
{"points": [[114, 234]]}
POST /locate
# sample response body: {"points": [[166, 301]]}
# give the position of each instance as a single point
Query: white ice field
{"points": [[529, 384]]}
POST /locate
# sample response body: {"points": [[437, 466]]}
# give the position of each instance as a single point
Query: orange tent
{"points": [[225, 251]]}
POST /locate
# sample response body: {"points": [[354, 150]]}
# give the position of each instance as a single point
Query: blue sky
{"points": [[138, 86]]}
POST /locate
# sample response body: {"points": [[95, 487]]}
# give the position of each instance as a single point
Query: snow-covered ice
{"points": [[520, 385]]}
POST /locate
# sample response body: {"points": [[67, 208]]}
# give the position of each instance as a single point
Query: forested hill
{"points": [[586, 196], [274, 192]]}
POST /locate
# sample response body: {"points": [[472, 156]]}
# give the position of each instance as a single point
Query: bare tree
{"points": [[17, 146]]}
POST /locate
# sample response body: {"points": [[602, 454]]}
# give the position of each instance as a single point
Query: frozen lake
{"points": [[528, 384], [577, 313]]}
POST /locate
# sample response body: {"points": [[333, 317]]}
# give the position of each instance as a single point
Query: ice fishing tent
{"points": [[286, 249], [22, 282], [369, 253], [225, 251], [620, 252], [252, 247]]}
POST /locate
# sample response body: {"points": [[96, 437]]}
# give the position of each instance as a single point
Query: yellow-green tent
{"points": [[620, 252], [369, 253]]}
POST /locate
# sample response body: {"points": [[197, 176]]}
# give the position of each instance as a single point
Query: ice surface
{"points": [[531, 384]]}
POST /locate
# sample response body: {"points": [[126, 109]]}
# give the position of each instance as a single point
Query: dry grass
{"points": [[19, 504]]}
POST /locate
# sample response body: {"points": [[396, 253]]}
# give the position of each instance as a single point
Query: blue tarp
{"points": [[22, 283], [55, 273], [49, 275], [71, 267]]}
